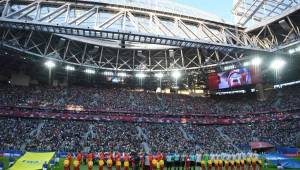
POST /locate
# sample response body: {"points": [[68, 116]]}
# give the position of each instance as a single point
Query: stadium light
{"points": [[70, 68], [256, 61], [229, 67], [277, 64], [292, 51], [176, 74], [246, 64], [108, 73], [50, 64], [159, 75], [89, 71], [122, 74], [141, 75]]}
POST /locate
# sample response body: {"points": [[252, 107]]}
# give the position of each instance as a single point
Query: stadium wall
{"points": [[20, 79]]}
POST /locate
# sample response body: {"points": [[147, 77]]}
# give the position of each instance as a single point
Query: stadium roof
{"points": [[134, 35], [164, 5]]}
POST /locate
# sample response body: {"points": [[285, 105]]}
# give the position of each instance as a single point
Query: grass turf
{"points": [[84, 167], [5, 161]]}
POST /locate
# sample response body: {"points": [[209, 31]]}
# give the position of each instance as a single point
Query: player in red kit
{"points": [[110, 161], [90, 157], [118, 161], [79, 156], [90, 165], [216, 164], [203, 165], [126, 162], [248, 163], [161, 160], [101, 160], [69, 157], [226, 165], [187, 162], [238, 164], [243, 164], [209, 164], [150, 157], [66, 164], [254, 163], [232, 165], [76, 165]]}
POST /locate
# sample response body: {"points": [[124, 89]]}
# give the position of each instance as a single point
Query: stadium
{"points": [[149, 85]]}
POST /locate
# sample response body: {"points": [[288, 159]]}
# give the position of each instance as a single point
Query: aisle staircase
{"points": [[146, 146], [227, 138], [90, 133], [34, 132], [141, 133], [186, 135], [144, 138], [37, 131]]}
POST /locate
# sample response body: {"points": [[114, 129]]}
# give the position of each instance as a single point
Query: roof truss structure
{"points": [[122, 23], [113, 37], [259, 10]]}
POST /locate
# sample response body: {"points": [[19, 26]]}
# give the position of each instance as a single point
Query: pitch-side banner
{"points": [[32, 161]]}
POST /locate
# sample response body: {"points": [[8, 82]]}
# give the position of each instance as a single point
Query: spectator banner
{"points": [[32, 161], [260, 145]]}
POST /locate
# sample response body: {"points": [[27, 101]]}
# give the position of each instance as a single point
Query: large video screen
{"points": [[231, 79]]}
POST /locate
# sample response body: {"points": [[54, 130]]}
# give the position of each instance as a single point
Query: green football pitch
{"points": [[84, 167]]}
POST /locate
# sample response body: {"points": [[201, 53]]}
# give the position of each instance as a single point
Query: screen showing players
{"points": [[230, 79]]}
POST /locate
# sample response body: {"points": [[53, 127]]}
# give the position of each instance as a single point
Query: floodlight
{"points": [[256, 61], [108, 73], [159, 75], [49, 64], [122, 74], [277, 64], [246, 64], [70, 68], [229, 67], [140, 75], [89, 71], [292, 51], [176, 74]]}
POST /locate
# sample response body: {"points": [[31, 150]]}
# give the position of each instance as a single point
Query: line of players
{"points": [[148, 161]]}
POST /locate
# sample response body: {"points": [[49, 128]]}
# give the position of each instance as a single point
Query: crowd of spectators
{"points": [[70, 135], [275, 133], [122, 99], [15, 132], [62, 135], [117, 136], [88, 135], [209, 138], [85, 135], [167, 137]]}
